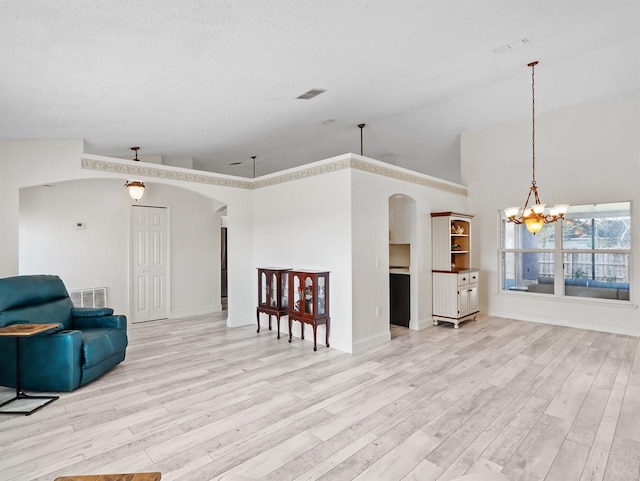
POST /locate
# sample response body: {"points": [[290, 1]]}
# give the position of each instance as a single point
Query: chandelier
{"points": [[534, 216]]}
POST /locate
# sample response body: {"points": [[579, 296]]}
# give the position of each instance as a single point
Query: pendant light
{"points": [[135, 187], [534, 217]]}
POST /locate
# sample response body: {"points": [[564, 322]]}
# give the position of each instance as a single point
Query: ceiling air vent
{"points": [[310, 94], [510, 46]]}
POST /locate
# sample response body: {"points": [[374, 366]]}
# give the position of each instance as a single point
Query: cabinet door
{"points": [[399, 299], [445, 298], [473, 298], [402, 225], [441, 244], [463, 301], [263, 288], [399, 221]]}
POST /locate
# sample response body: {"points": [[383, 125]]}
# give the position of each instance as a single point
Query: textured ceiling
{"points": [[217, 81]]}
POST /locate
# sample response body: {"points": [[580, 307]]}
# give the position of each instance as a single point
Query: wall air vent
{"points": [[311, 94], [89, 297]]}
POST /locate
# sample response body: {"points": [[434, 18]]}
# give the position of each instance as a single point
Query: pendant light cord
{"points": [[361, 126]]}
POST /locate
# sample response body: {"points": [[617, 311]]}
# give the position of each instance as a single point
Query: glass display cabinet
{"points": [[273, 294], [309, 302]]}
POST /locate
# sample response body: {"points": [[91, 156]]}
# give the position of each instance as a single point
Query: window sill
{"points": [[593, 301]]}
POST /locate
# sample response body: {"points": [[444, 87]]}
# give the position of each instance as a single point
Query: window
{"points": [[588, 254]]}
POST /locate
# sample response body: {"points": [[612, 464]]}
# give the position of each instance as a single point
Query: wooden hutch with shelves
{"points": [[455, 281]]}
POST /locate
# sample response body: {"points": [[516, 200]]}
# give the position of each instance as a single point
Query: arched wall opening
{"points": [[403, 261], [81, 231]]}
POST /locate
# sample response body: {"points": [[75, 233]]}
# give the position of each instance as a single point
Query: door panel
{"points": [[150, 263]]}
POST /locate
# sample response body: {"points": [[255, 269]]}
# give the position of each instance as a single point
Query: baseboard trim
{"points": [[363, 345], [578, 325], [240, 322], [194, 312], [422, 324]]}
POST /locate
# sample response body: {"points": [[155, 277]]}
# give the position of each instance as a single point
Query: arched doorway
{"points": [[89, 240], [402, 244]]}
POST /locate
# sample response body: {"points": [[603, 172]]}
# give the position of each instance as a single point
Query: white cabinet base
{"points": [[455, 296], [455, 321]]}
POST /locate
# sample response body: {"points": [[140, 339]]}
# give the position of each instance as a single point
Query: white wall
{"points": [[99, 255], [195, 250], [94, 257], [336, 220], [370, 240], [26, 163], [306, 224], [587, 153]]}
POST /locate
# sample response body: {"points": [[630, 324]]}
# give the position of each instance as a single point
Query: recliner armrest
{"points": [[52, 362], [91, 311], [8, 323], [22, 321], [113, 322]]}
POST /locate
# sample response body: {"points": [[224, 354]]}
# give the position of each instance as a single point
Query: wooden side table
{"points": [[19, 331], [155, 476]]}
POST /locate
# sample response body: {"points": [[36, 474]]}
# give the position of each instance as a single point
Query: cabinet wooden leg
{"points": [[258, 319], [315, 332], [302, 330], [326, 333], [290, 334], [278, 323]]}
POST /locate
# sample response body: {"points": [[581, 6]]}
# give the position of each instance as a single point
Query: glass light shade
{"points": [[562, 208], [526, 212], [553, 212], [534, 224], [511, 211], [135, 188], [538, 208]]}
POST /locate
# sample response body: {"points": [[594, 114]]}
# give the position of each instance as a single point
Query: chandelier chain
{"points": [[533, 122]]}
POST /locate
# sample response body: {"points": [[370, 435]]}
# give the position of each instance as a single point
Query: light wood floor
{"points": [[196, 400]]}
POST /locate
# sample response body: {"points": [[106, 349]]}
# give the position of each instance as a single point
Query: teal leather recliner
{"points": [[90, 342]]}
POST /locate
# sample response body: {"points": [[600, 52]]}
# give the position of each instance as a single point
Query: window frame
{"points": [[559, 251]]}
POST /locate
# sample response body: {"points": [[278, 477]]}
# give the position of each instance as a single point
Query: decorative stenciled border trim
{"points": [[405, 176], [363, 166], [303, 173], [325, 168], [143, 170]]}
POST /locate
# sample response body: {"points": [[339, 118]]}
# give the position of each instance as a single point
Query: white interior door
{"points": [[150, 261]]}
